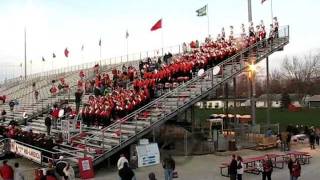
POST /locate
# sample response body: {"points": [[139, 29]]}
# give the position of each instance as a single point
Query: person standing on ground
{"points": [[78, 97], [18, 175], [312, 139], [47, 122], [295, 170], [290, 162], [317, 132], [240, 168], [267, 168], [152, 176], [169, 166], [69, 172], [126, 172], [121, 161], [6, 171], [233, 168]]}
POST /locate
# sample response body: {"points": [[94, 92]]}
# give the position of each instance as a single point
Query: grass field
{"points": [[306, 117]]}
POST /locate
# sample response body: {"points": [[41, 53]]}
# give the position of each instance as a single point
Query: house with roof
{"points": [[275, 101], [313, 101]]}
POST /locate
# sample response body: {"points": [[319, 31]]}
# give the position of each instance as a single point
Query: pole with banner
{"points": [[100, 45], [127, 38], [204, 12], [156, 26]]}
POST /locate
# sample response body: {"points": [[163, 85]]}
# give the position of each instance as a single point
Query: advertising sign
{"points": [[25, 151], [148, 154]]}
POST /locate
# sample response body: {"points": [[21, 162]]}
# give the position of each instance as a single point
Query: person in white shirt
{"points": [[69, 172], [18, 175], [240, 168], [121, 161]]}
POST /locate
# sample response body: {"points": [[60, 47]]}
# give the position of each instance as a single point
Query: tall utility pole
{"points": [[249, 11], [25, 52]]}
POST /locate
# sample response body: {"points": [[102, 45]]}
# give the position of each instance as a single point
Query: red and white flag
{"points": [[66, 52], [157, 25]]}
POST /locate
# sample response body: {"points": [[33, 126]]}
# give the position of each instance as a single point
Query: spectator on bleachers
{"points": [[223, 34], [36, 95], [251, 29], [12, 104], [3, 99], [55, 115], [25, 118], [78, 98], [184, 48], [3, 115], [47, 122], [231, 37], [243, 31]]}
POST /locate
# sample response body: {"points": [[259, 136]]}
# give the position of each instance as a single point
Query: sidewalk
{"points": [[206, 167]]}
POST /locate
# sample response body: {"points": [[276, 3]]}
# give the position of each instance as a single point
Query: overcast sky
{"points": [[53, 25]]}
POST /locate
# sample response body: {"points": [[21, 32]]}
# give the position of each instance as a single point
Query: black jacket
{"points": [[47, 121], [126, 173], [233, 167]]}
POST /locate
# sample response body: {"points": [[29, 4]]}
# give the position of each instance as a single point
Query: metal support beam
{"points": [[192, 116], [268, 92]]}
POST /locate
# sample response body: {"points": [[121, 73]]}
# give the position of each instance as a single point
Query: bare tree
{"points": [[299, 72]]}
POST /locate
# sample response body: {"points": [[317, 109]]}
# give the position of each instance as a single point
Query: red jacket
{"points": [[6, 172]]}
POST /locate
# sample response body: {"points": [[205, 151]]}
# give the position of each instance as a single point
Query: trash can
{"points": [[232, 145]]}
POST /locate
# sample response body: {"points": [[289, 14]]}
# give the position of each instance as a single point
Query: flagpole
{"points": [[208, 19], [25, 52], [100, 51], [271, 10], [162, 36], [127, 47]]}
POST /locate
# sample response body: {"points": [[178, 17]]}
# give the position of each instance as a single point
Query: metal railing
{"points": [[253, 50]]}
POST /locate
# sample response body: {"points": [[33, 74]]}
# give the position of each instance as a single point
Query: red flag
{"points": [[262, 1], [157, 25], [66, 52]]}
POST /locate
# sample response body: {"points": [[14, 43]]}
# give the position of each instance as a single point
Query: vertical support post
{"points": [[153, 135], [193, 119], [185, 143], [268, 92]]}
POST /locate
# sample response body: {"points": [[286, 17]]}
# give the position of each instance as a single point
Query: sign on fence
{"points": [[148, 154], [25, 151]]}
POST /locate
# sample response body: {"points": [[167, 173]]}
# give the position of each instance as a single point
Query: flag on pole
{"points": [[66, 52], [53, 55], [127, 34], [262, 1], [100, 42], [82, 47], [157, 25], [202, 11], [43, 60]]}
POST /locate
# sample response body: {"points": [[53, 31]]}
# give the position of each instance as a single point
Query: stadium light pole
{"points": [[249, 11], [252, 71]]}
